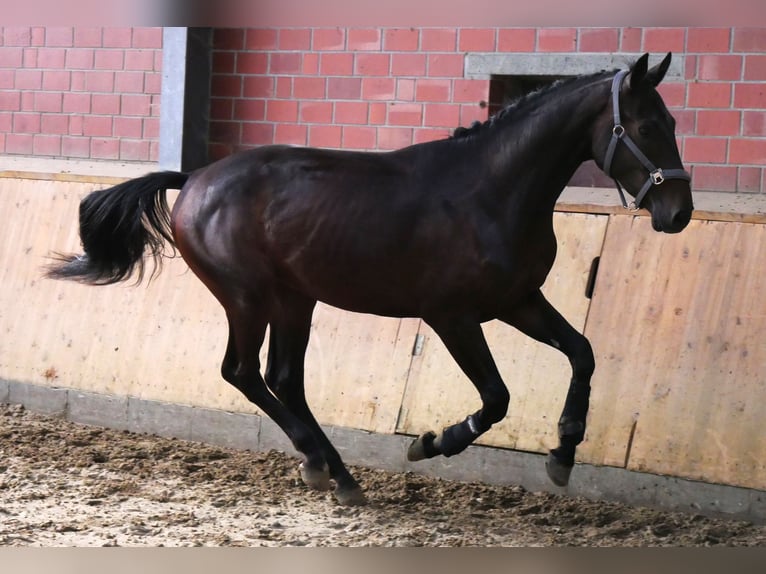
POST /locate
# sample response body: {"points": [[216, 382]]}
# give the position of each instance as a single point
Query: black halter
{"points": [[656, 175]]}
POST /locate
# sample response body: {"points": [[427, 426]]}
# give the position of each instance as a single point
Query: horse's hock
{"points": [[677, 324]]}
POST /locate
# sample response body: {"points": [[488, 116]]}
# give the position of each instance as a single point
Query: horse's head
{"points": [[635, 143]]}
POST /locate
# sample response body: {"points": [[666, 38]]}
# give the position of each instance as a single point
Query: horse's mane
{"points": [[526, 102]]}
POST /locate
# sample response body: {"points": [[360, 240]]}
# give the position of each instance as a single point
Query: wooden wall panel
{"points": [[678, 324], [537, 376]]}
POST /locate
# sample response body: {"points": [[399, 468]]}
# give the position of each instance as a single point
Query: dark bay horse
{"points": [[457, 232]]}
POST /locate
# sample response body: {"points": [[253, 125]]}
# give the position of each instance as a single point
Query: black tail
{"points": [[117, 225]]}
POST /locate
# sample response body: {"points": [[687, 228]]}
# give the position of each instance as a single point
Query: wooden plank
{"points": [[537, 376], [679, 328]]}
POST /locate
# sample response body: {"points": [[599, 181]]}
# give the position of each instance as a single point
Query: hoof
{"points": [[558, 471], [314, 478], [350, 496], [422, 447]]}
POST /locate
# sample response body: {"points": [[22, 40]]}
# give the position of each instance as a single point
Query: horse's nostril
{"points": [[682, 218]]}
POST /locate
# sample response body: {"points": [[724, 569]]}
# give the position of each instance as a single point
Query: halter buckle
{"points": [[618, 130], [657, 176]]}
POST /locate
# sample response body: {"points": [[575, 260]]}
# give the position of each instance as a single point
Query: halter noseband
{"points": [[656, 175]]}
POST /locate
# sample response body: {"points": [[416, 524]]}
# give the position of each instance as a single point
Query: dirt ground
{"points": [[63, 484]]}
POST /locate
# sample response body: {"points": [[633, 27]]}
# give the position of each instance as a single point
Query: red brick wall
{"points": [[80, 92], [389, 87]]}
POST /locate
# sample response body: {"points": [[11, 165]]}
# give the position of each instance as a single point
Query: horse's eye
{"points": [[644, 130]]}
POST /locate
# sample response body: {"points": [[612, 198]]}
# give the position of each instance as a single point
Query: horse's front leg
{"points": [[536, 318], [464, 339]]}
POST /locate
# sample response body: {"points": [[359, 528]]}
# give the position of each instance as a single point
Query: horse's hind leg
{"points": [[538, 319], [288, 339], [241, 368]]}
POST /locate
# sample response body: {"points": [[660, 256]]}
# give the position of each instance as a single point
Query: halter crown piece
{"points": [[656, 175]]}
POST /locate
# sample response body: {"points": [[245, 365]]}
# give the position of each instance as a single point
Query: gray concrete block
{"points": [[271, 437], [97, 409], [48, 400], [5, 390], [222, 428], [159, 418]]}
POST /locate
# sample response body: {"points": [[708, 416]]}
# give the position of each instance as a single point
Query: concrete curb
{"points": [[388, 452]]}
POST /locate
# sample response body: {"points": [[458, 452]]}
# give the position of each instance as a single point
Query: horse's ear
{"points": [[638, 72], [655, 75]]}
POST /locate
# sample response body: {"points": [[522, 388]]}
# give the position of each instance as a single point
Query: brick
{"points": [[433, 90], [134, 150], [309, 88], [284, 87], [80, 59], [147, 38], [19, 143], [354, 137], [56, 80], [221, 109], [97, 126], [378, 88], [76, 103], [336, 64], [372, 64], [28, 80], [292, 134], [285, 63], [54, 124], [446, 65], [224, 85], [151, 128], [708, 40], [261, 39], [405, 114], [11, 57], [224, 62], [26, 123], [405, 89], [294, 39], [690, 68], [44, 144], [631, 39], [310, 64], [328, 39], [249, 110], [108, 59], [16, 36], [87, 37], [598, 40], [257, 133], [227, 131], [135, 105], [127, 127], [252, 63], [754, 123], [344, 88], [59, 36], [99, 81], [218, 151], [718, 122], [750, 96], [401, 39], [686, 121], [30, 58], [75, 147], [257, 87], [476, 40], [715, 177], [129, 82], [442, 115], [705, 150], [75, 125], [154, 151], [749, 40], [673, 93], [556, 39], [315, 112], [324, 136], [38, 36], [709, 95], [408, 65], [755, 68], [28, 101], [747, 151], [6, 122], [664, 39], [438, 40], [152, 83], [228, 39], [78, 81], [48, 102], [471, 90], [749, 179], [394, 138], [281, 111], [364, 39], [118, 37], [378, 113], [516, 40], [351, 112], [104, 148], [717, 67], [105, 104], [424, 135], [139, 60]]}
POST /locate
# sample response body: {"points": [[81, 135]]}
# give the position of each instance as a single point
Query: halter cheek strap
{"points": [[656, 175]]}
